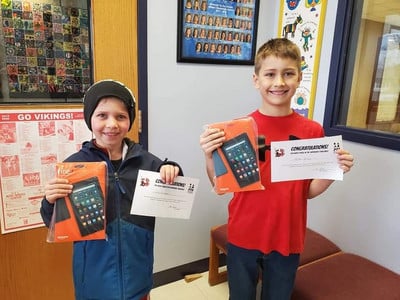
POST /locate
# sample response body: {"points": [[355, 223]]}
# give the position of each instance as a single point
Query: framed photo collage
{"points": [[217, 31]]}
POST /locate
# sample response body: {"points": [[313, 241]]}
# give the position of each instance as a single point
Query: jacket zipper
{"points": [[118, 203]]}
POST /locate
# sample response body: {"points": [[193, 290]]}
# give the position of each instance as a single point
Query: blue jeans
{"points": [[245, 267]]}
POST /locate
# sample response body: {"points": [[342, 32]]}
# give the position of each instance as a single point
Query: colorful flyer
{"points": [[32, 141]]}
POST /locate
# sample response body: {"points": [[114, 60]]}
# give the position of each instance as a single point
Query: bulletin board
{"points": [[32, 141], [302, 21], [45, 50]]}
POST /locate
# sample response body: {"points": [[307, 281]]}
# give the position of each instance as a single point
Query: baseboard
{"points": [[179, 272]]}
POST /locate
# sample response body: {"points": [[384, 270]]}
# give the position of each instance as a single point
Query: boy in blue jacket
{"points": [[120, 267]]}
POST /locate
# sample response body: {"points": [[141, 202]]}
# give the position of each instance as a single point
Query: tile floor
{"points": [[198, 289]]}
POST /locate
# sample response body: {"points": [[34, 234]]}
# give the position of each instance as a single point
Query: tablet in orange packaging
{"points": [[81, 215], [236, 162]]}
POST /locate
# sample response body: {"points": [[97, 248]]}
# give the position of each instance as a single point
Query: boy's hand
{"points": [[345, 159], [211, 139], [57, 188], [168, 173]]}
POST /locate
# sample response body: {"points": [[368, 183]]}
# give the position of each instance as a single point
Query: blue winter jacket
{"points": [[120, 267]]}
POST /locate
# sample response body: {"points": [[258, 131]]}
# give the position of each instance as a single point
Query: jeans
{"points": [[245, 267]]}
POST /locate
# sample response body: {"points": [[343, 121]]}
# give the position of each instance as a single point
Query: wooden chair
{"points": [[218, 242]]}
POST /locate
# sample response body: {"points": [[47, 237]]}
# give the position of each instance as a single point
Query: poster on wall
{"points": [[45, 47], [302, 22], [31, 143]]}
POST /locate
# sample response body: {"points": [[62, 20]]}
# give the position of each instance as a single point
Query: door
{"points": [[31, 268], [115, 45]]}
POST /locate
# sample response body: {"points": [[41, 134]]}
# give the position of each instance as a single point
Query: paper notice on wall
{"points": [[31, 142]]}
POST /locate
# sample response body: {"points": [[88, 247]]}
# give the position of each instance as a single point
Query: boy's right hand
{"points": [[57, 188], [211, 139]]}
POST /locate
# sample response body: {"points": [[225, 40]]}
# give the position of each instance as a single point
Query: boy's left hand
{"points": [[168, 173], [345, 159]]}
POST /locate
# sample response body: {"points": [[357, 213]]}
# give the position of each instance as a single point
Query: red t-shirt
{"points": [[273, 219]]}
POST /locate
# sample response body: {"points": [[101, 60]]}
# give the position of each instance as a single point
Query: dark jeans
{"points": [[246, 266]]}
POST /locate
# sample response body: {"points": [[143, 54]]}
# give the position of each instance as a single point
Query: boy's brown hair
{"points": [[279, 47]]}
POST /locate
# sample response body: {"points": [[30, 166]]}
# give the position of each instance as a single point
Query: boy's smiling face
{"points": [[110, 123], [277, 82]]}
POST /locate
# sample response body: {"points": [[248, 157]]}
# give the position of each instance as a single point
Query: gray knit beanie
{"points": [[107, 88]]}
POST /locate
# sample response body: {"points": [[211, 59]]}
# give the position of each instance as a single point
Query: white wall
{"points": [[358, 213], [361, 213]]}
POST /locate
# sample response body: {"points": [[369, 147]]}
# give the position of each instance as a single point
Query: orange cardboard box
{"points": [[81, 215], [236, 162]]}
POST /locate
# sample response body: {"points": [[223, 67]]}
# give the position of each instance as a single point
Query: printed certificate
{"points": [[155, 198], [306, 159]]}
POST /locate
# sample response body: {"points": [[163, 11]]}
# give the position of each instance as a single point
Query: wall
{"points": [[358, 213], [361, 213], [183, 97]]}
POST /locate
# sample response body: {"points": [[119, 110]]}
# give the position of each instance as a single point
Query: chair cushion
{"points": [[316, 246], [346, 276]]}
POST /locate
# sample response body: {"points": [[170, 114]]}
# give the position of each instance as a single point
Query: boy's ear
{"points": [[255, 80], [300, 77]]}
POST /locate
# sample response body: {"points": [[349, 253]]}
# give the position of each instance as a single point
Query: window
{"points": [[44, 51], [363, 99]]}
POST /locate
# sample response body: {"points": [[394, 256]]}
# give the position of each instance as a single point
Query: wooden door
{"points": [[31, 268], [115, 45]]}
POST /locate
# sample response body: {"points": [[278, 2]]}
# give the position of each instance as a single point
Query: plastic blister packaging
{"points": [[236, 162], [81, 215]]}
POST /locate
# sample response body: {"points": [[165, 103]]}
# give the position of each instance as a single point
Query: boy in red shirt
{"points": [[266, 228]]}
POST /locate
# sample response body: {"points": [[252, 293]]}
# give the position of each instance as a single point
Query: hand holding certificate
{"points": [[155, 198], [306, 159]]}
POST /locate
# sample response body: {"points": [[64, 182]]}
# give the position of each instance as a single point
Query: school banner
{"points": [[302, 21]]}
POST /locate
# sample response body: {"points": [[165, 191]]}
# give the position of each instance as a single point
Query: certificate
{"points": [[306, 159], [155, 198]]}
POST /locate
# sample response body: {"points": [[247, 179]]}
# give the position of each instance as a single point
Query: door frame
{"points": [[142, 72]]}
